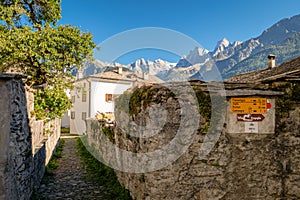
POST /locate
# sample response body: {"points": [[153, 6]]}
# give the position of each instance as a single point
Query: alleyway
{"points": [[70, 181]]}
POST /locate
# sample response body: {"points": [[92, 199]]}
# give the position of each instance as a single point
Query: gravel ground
{"points": [[69, 182]]}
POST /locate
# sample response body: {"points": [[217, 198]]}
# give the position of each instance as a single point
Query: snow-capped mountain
{"points": [[151, 67], [230, 58], [221, 46], [227, 56], [158, 67]]}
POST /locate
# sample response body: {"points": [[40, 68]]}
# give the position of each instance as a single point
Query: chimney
{"points": [[120, 69], [271, 61], [79, 74]]}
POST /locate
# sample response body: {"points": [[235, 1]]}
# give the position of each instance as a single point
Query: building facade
{"points": [[95, 95]]}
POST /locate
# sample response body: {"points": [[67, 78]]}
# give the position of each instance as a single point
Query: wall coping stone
{"points": [[12, 76], [240, 92]]}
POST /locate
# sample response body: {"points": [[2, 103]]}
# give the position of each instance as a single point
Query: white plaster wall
{"points": [[65, 120], [98, 91], [77, 125], [94, 103]]}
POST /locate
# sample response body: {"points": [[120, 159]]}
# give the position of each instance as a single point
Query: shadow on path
{"points": [[76, 177]]}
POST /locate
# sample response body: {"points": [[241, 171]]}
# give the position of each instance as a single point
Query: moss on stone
{"points": [[285, 103]]}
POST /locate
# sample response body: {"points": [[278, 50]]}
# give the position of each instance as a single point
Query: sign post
{"points": [[249, 105], [251, 112], [250, 117], [251, 127]]}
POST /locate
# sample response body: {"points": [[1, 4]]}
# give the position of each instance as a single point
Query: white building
{"points": [[65, 120], [95, 94]]}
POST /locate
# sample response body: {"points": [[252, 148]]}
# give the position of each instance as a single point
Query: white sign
{"points": [[251, 127]]}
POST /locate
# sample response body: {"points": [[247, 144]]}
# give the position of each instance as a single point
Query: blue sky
{"points": [[204, 21]]}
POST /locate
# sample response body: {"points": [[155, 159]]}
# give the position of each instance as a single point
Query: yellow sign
{"points": [[248, 105]]}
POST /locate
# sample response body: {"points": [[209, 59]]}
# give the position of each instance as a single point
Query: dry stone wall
{"points": [[288, 152], [21, 168], [240, 166], [16, 149]]}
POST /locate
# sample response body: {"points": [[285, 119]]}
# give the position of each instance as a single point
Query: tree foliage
{"points": [[50, 103], [32, 43]]}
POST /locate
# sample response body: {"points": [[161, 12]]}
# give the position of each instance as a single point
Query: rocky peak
{"points": [[140, 62], [221, 46], [198, 55], [152, 67], [223, 43], [236, 43], [160, 61]]}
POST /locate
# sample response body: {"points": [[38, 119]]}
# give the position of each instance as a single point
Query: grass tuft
{"points": [[102, 175]]}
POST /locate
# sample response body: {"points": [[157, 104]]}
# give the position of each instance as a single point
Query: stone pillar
{"points": [[15, 140]]}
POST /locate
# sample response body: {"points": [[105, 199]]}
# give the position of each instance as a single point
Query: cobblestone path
{"points": [[69, 181]]}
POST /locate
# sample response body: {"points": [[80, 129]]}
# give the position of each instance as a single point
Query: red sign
{"points": [[269, 106], [250, 117]]}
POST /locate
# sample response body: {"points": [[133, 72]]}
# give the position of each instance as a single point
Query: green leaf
{"points": [[31, 43]]}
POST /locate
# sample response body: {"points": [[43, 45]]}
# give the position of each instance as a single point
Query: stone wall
{"points": [[43, 150], [288, 152], [22, 158], [39, 158], [52, 138], [44, 136], [240, 166], [16, 149]]}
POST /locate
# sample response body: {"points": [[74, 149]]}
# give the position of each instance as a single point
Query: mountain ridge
{"points": [[230, 58]]}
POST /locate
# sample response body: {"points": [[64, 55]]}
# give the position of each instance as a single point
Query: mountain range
{"points": [[231, 58]]}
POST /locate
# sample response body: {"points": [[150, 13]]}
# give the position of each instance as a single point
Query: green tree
{"points": [[32, 43]]}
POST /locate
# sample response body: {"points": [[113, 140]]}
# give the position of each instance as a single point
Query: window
{"points": [[72, 115], [84, 96], [83, 116], [108, 97]]}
